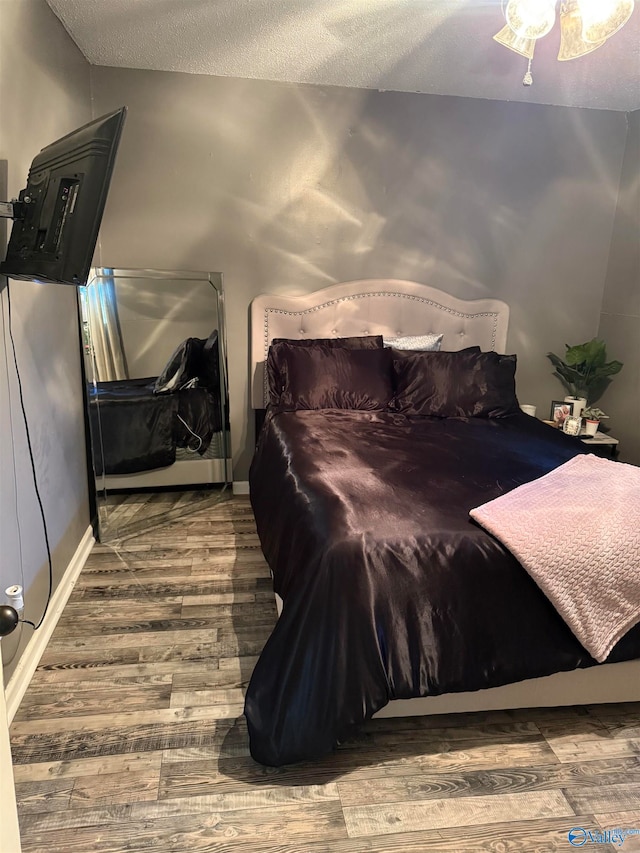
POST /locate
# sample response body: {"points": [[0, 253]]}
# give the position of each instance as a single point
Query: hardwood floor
{"points": [[126, 514], [131, 735]]}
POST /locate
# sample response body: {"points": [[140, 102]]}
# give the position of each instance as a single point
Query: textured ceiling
{"points": [[436, 46]]}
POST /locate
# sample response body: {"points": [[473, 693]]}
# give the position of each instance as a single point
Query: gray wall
{"points": [[290, 188], [620, 318], [155, 316], [45, 93]]}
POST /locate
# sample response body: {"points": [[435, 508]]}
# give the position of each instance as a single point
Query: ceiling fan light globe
{"points": [[572, 44], [508, 38], [531, 19], [603, 18]]}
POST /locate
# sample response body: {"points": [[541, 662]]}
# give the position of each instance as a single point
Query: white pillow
{"points": [[427, 343]]}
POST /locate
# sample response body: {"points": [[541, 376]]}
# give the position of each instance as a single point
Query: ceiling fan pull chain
{"points": [[527, 80]]}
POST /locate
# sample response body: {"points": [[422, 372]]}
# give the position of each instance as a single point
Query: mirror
{"points": [[157, 395]]}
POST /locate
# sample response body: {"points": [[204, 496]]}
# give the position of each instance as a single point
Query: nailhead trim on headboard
{"points": [[269, 311]]}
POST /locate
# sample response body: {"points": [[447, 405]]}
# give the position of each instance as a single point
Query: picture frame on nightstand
{"points": [[560, 410]]}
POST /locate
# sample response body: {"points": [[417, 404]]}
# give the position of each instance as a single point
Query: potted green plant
{"points": [[585, 371], [592, 416]]}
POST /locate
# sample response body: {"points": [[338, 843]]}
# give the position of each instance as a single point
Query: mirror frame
{"points": [[98, 484]]}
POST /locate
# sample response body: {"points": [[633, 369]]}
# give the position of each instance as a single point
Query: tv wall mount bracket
{"points": [[13, 209]]}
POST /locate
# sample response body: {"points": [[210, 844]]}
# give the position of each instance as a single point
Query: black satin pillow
{"points": [[178, 371], [195, 361], [401, 354], [468, 384], [207, 367], [360, 342], [325, 377], [280, 348]]}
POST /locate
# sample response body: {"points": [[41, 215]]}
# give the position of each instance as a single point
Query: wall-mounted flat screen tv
{"points": [[57, 215]]}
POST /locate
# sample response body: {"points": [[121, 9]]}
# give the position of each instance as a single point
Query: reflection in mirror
{"points": [[155, 361]]}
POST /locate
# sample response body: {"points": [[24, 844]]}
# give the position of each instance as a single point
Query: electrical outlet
{"points": [[14, 597]]}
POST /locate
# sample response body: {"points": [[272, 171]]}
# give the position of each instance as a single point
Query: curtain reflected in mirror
{"points": [[157, 395], [101, 311]]}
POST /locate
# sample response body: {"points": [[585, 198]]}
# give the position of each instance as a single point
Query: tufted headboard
{"points": [[372, 307]]}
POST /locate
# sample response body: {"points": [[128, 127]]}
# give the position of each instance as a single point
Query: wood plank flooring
{"points": [[131, 735], [126, 514]]}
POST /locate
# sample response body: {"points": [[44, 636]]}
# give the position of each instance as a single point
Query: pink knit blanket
{"points": [[576, 531]]}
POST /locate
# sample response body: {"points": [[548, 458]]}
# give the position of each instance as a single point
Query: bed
{"points": [[143, 428], [392, 597]]}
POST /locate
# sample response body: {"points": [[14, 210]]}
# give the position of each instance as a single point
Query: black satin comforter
{"points": [[134, 429], [390, 590]]}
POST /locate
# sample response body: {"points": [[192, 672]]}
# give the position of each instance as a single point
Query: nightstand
{"points": [[601, 444]]}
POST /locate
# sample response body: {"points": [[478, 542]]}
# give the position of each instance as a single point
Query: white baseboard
{"points": [[8, 808], [191, 472], [30, 657], [241, 487]]}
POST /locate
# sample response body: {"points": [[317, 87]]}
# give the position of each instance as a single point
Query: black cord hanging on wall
{"points": [[9, 616]]}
